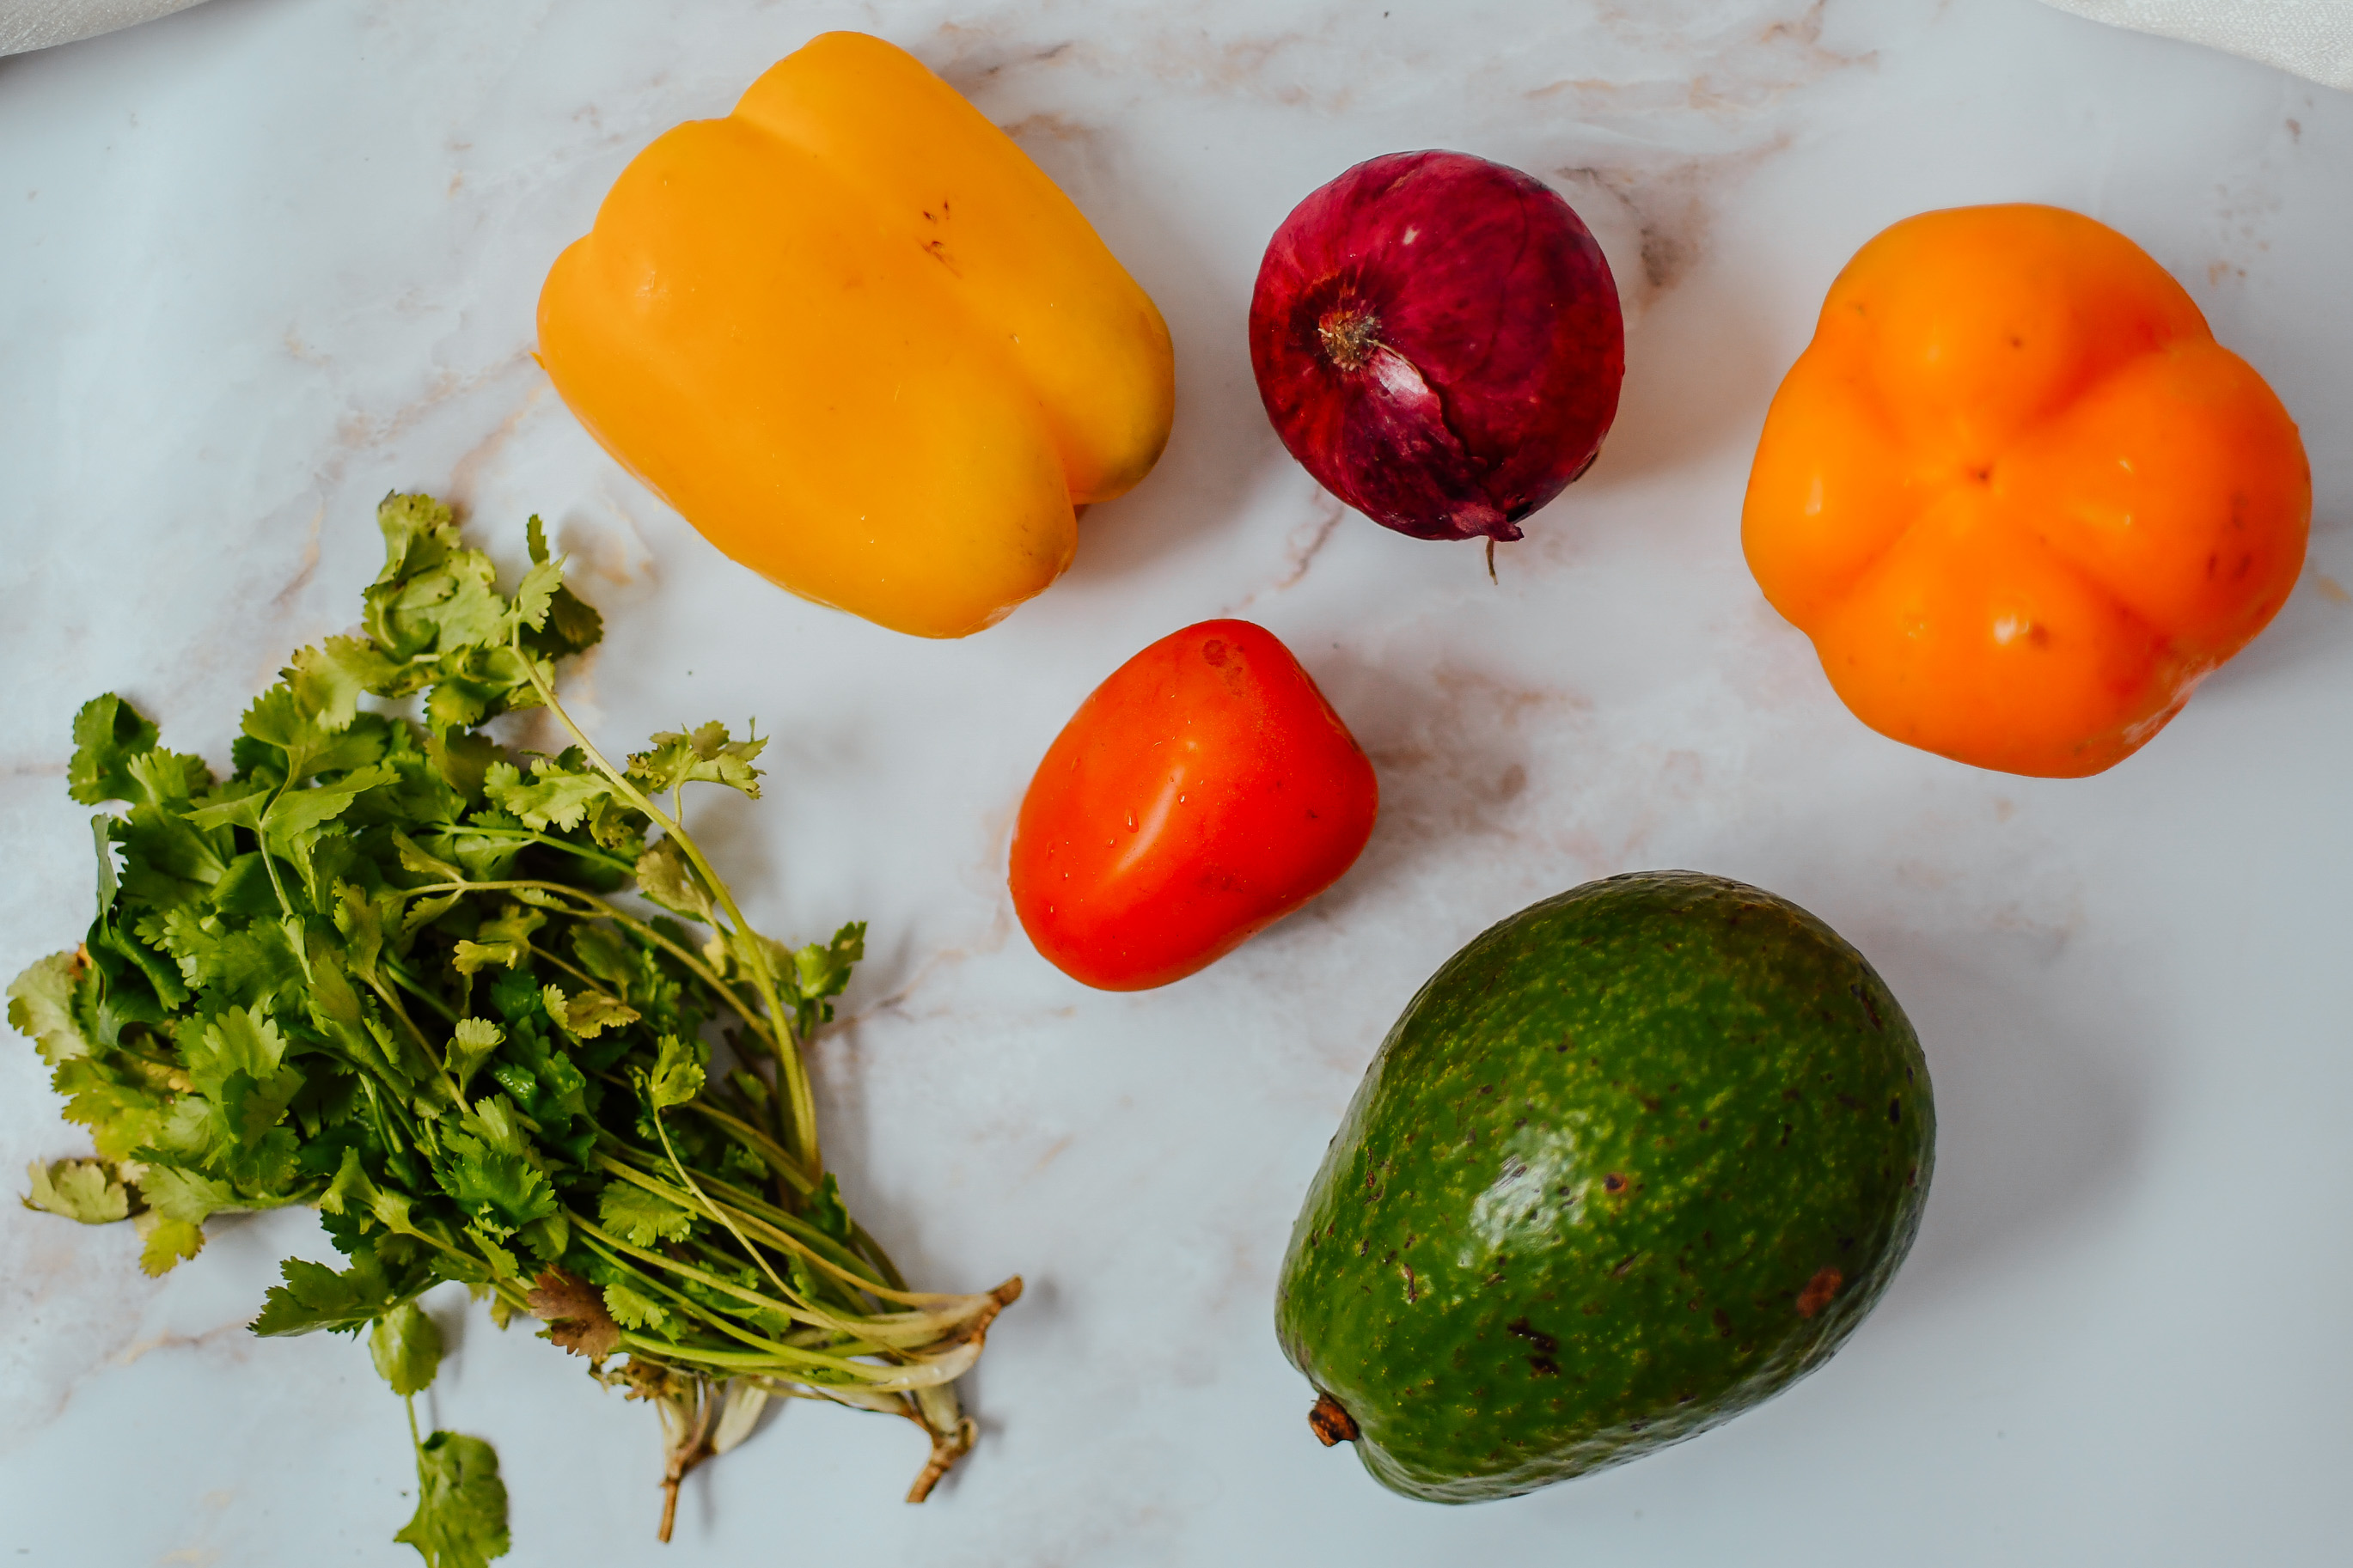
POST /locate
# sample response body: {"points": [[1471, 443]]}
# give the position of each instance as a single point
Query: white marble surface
{"points": [[265, 260]]}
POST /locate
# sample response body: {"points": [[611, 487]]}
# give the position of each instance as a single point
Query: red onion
{"points": [[1437, 339]]}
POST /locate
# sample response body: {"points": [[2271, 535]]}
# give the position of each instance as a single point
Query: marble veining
{"points": [[265, 260]]}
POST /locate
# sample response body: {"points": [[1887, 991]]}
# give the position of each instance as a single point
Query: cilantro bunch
{"points": [[462, 1000]]}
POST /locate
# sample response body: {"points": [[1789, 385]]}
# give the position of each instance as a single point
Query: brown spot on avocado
{"points": [[1818, 1290], [1613, 1182], [1534, 1335]]}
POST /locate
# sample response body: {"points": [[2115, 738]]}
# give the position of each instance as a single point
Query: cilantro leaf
{"points": [[84, 1190], [329, 680], [634, 1310], [471, 957], [278, 718], [102, 828], [405, 1346], [462, 757], [587, 1015], [107, 733], [240, 1040], [298, 810], [122, 1103], [253, 1108], [176, 1192], [231, 964], [470, 614], [575, 1313], [640, 1218], [353, 1192], [821, 971], [605, 956], [827, 1212], [236, 804], [316, 1297], [419, 533], [665, 876], [43, 1001], [461, 1504], [489, 1172], [536, 594], [168, 1243], [470, 1044], [557, 795], [678, 1072], [165, 777], [703, 755], [504, 941], [164, 860], [473, 683]]}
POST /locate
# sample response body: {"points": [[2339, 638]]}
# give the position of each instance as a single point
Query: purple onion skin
{"points": [[1438, 341]]}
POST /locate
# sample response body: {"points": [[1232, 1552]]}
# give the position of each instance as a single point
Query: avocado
{"points": [[1634, 1160]]}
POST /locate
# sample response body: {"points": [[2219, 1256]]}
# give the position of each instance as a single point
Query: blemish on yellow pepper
{"points": [[861, 343]]}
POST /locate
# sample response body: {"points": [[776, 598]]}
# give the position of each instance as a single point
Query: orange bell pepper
{"points": [[858, 339], [2018, 496]]}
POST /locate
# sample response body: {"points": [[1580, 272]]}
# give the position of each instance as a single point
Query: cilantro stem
{"points": [[574, 970], [713, 1209], [753, 1212], [598, 908], [920, 1372], [436, 1060], [617, 1251], [414, 986], [752, 950], [269, 863], [549, 841], [772, 1222], [757, 1141]]}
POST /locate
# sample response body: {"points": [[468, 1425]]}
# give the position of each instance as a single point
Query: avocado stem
{"points": [[1330, 1421]]}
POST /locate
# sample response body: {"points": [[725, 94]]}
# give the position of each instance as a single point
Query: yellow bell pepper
{"points": [[861, 343]]}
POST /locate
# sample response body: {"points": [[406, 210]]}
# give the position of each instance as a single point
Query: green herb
{"points": [[391, 969]]}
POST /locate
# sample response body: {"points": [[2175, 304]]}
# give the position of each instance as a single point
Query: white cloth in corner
{"points": [[2314, 38], [37, 23]]}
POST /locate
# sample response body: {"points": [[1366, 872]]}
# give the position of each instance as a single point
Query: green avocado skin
{"points": [[1634, 1160]]}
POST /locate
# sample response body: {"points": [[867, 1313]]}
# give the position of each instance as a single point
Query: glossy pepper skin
{"points": [[860, 341], [1201, 794], [2018, 496]]}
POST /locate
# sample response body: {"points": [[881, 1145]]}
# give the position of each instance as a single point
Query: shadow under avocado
{"points": [[2041, 1094]]}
